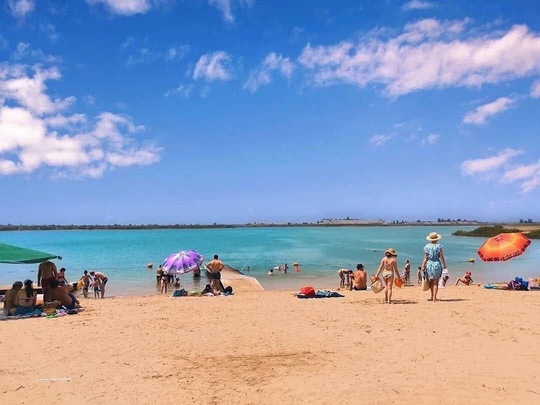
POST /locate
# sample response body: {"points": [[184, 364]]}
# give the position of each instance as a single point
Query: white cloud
{"points": [[124, 7], [521, 172], [428, 54], [182, 90], [213, 66], [263, 75], [50, 31], [20, 8], [225, 7], [29, 92], [535, 89], [430, 139], [176, 52], [474, 167], [24, 51], [379, 140], [30, 119], [144, 55], [418, 5], [479, 115]]}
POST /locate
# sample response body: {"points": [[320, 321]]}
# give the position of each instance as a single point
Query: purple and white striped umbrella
{"points": [[183, 262]]}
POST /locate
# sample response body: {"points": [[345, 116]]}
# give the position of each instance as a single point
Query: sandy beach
{"points": [[474, 345]]}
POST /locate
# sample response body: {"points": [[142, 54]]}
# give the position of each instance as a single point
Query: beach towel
{"points": [[180, 293], [308, 292], [320, 294]]}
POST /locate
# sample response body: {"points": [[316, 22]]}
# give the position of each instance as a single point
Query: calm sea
{"points": [[123, 255]]}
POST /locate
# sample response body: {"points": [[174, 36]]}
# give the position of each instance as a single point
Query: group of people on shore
{"points": [[22, 298], [214, 267], [433, 271]]}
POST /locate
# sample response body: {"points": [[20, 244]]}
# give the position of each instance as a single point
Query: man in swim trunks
{"points": [[103, 278], [62, 294], [46, 273], [358, 279], [214, 267], [86, 283]]}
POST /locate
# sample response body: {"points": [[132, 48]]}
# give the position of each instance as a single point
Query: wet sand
{"points": [[474, 346]]}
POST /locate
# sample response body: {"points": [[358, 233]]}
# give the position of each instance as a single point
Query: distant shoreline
{"points": [[351, 223]]}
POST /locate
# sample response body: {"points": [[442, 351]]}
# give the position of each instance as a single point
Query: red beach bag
{"points": [[307, 291]]}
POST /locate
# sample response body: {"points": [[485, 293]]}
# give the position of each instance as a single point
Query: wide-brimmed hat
{"points": [[433, 236], [391, 251]]}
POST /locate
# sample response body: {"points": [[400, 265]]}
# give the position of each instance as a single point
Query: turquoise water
{"points": [[123, 255]]}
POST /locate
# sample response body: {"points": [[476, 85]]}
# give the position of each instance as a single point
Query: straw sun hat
{"points": [[433, 237], [391, 251]]}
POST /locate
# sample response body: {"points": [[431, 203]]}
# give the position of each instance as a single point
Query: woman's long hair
{"points": [[29, 289]]}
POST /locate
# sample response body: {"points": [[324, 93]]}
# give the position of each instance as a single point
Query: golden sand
{"points": [[474, 346]]}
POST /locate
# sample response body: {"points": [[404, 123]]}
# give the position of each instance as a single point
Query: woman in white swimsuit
{"points": [[388, 268]]}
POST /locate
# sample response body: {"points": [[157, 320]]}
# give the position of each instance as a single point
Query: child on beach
{"points": [[177, 283], [420, 275], [344, 277], [466, 279], [97, 287], [444, 279]]}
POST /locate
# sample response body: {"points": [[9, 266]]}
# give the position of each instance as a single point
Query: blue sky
{"points": [[234, 111]]}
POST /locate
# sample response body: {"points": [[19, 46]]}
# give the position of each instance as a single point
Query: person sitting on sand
{"points": [[61, 276], [63, 294], [444, 279], [271, 272], [208, 290], [344, 277], [10, 297], [26, 299], [97, 287], [466, 279], [103, 279], [389, 270], [358, 279]]}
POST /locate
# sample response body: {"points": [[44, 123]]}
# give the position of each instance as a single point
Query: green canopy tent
{"points": [[17, 255]]}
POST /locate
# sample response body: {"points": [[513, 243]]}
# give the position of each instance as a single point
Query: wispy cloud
{"points": [[379, 140], [535, 89], [3, 43], [146, 54], [479, 115], [474, 167], [21, 8], [427, 54], [263, 75], [24, 51], [125, 7], [50, 31], [183, 90], [431, 139], [418, 5], [503, 169], [226, 7], [213, 66]]}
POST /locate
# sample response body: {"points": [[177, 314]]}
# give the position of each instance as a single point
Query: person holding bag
{"points": [[433, 263]]}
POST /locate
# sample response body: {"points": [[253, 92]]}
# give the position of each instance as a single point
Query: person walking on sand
{"points": [[214, 268], [164, 283], [358, 279], [433, 263], [388, 268], [103, 279]]}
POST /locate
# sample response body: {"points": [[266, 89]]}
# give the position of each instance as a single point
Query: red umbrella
{"points": [[503, 247]]}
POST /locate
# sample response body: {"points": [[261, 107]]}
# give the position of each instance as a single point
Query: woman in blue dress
{"points": [[433, 263]]}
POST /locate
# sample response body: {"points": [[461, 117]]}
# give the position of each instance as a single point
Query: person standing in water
{"points": [[296, 267]]}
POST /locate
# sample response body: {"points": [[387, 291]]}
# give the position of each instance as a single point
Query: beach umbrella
{"points": [[18, 255], [503, 247], [183, 262]]}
